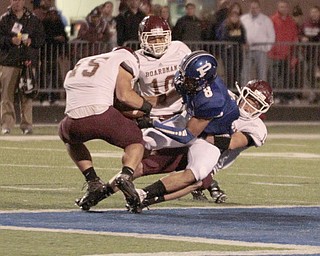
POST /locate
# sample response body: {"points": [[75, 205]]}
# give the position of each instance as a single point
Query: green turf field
{"points": [[37, 174]]}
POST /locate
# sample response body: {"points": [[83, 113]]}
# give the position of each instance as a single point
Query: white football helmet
{"points": [[151, 27], [260, 93]]}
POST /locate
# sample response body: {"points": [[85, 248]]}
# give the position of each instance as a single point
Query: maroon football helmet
{"points": [[150, 28], [259, 91]]}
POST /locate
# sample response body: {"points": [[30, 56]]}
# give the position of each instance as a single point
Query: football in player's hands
{"points": [[128, 111]]}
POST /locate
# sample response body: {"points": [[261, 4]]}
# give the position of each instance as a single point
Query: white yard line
{"points": [[34, 149], [214, 253], [276, 184], [267, 175], [295, 136], [29, 137], [38, 166], [293, 248], [281, 155], [34, 189], [53, 167], [298, 123]]}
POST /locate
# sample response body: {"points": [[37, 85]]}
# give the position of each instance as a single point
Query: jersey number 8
{"points": [[207, 92]]}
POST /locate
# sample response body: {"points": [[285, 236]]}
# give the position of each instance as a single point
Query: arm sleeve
{"points": [[250, 139], [182, 135], [5, 39]]}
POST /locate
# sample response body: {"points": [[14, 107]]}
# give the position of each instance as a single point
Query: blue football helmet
{"points": [[196, 71]]}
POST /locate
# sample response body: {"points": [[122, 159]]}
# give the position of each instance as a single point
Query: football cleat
{"points": [[96, 191], [198, 195], [216, 193], [143, 202], [124, 183]]}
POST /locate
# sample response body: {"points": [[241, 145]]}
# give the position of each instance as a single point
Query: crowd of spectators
{"points": [[55, 48], [262, 44], [257, 49]]}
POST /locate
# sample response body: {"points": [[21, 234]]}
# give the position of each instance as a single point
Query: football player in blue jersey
{"points": [[255, 98], [209, 111]]}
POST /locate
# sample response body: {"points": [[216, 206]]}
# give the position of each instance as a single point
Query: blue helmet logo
{"points": [[196, 71]]}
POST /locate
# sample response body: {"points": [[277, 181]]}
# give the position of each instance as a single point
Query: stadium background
{"points": [[77, 9]]}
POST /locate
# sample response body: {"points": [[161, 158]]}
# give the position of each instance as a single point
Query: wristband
{"points": [[222, 142], [146, 107]]}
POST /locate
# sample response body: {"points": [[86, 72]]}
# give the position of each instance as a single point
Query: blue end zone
{"points": [[296, 225]]}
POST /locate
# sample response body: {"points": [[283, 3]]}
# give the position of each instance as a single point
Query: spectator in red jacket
{"points": [[286, 32]]}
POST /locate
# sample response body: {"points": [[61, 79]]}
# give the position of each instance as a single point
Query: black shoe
{"points": [[125, 184], [144, 202], [96, 191], [216, 193], [198, 195]]}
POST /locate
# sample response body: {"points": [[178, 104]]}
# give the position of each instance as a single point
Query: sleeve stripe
{"points": [[127, 68]]}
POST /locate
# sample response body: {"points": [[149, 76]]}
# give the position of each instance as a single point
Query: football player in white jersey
{"points": [[255, 99], [159, 60], [90, 89]]}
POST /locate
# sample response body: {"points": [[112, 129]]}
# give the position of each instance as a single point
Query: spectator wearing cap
{"points": [[93, 35], [189, 26], [43, 7], [94, 29]]}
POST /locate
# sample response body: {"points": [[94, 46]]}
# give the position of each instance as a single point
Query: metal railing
{"points": [[297, 75]]}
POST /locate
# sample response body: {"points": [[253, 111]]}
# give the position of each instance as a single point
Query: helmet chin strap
{"points": [[238, 87]]}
